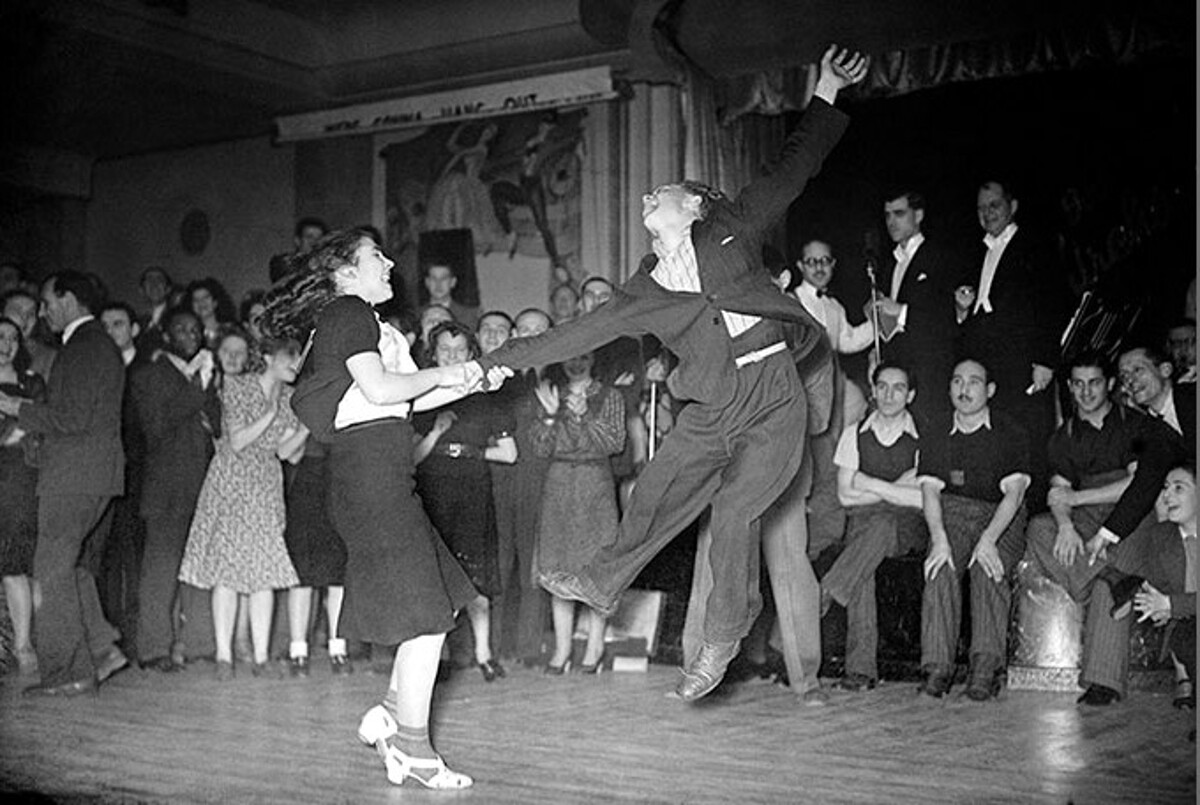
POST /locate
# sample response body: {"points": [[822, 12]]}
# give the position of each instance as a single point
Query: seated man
{"points": [[973, 481], [877, 483], [1107, 464]]}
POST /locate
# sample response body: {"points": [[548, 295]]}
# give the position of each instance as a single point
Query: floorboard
{"points": [[617, 738]]}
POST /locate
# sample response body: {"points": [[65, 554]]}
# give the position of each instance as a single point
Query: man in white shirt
{"points": [[917, 310]]}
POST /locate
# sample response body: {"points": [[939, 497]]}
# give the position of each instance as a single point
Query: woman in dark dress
{"points": [[455, 484], [356, 392], [18, 503]]}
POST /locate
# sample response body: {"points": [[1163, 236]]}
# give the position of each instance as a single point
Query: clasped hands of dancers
{"points": [[734, 447]]}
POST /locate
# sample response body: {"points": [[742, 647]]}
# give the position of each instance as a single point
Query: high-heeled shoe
{"points": [[556, 670], [491, 670], [401, 767], [591, 667]]}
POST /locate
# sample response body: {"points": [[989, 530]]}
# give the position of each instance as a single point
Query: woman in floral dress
{"points": [[236, 543]]}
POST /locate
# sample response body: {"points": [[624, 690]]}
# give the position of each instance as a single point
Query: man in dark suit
{"points": [[119, 566], [1014, 319], [82, 468], [918, 310], [706, 295], [175, 398], [1146, 375]]}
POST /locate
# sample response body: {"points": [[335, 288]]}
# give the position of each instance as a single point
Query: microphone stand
{"points": [[874, 307]]}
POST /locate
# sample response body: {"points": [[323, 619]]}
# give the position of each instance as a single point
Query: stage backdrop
{"points": [[514, 182]]}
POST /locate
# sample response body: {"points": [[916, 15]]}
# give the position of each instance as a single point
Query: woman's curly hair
{"points": [[292, 306]]}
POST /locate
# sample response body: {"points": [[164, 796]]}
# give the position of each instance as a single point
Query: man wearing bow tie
{"points": [[917, 314], [1014, 321], [178, 410]]}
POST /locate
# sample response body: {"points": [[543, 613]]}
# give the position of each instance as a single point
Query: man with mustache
{"points": [[973, 480]]}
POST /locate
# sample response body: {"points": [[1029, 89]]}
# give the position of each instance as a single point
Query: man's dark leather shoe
{"points": [[164, 665], [707, 671], [1098, 696], [983, 682], [937, 682], [570, 587], [856, 683], [109, 662], [64, 689]]}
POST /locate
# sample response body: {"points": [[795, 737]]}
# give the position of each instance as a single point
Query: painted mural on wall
{"points": [[512, 182]]}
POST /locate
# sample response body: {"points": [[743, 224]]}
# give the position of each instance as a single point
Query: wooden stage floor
{"points": [[530, 739]]}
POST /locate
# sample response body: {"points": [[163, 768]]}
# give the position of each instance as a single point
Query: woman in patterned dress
{"points": [[236, 543], [581, 428]]}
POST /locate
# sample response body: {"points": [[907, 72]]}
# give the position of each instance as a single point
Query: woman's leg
{"points": [[299, 611], [262, 607], [563, 613], [595, 638], [224, 614], [409, 698], [241, 633], [333, 614], [479, 612], [19, 594]]}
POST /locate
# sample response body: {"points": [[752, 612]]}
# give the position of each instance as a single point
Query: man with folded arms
{"points": [[877, 483]]}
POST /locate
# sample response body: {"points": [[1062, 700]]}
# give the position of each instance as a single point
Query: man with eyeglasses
{"points": [[704, 293], [917, 306]]}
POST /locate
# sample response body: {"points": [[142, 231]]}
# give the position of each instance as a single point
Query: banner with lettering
{"points": [[540, 92]]}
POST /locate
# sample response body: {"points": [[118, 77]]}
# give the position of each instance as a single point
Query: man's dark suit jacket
{"points": [[81, 418], [728, 246], [926, 347], [1156, 554], [178, 446], [1030, 308], [1185, 409]]}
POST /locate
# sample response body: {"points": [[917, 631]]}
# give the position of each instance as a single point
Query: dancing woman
{"points": [[356, 392]]}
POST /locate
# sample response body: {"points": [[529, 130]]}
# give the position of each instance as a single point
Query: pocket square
{"points": [[726, 239]]}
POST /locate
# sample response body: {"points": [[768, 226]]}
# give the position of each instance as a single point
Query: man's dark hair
{"points": [[707, 193], [596, 278], [1089, 359], [500, 313], [1007, 189], [78, 284], [307, 221], [124, 307], [915, 200], [1156, 355], [177, 311], [899, 367], [155, 270], [454, 329], [549, 319], [987, 374]]}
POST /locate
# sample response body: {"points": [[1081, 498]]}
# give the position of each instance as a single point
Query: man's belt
{"points": [[457, 450], [759, 354]]}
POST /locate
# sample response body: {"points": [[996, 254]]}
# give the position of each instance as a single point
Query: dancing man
{"points": [[705, 294]]}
